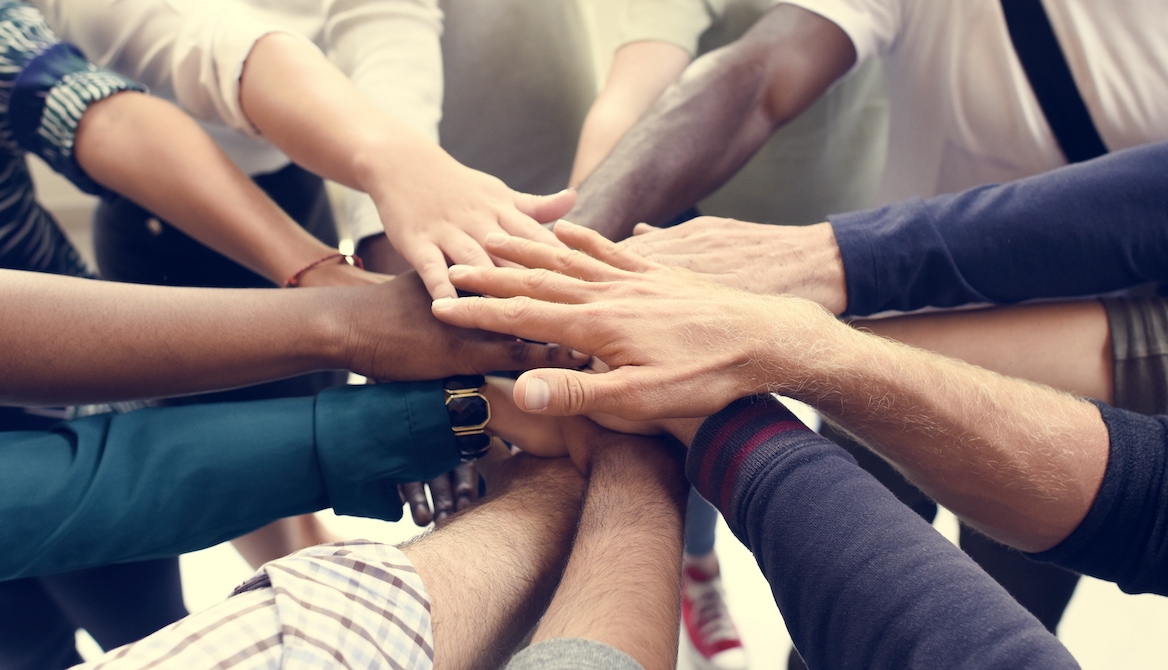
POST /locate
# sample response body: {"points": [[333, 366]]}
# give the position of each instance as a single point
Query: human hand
{"points": [[389, 334], [438, 209], [451, 492], [760, 258], [680, 345]]}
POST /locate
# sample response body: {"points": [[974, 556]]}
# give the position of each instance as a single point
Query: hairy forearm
{"points": [[1019, 461], [76, 341], [621, 586], [708, 125], [491, 571], [149, 151]]}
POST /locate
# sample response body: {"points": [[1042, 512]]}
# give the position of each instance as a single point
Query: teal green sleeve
{"points": [[161, 482]]}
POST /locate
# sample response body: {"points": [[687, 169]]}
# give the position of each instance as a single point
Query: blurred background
{"points": [[1104, 628]]}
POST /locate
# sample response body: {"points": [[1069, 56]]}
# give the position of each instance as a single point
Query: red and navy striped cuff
{"points": [[735, 444]]}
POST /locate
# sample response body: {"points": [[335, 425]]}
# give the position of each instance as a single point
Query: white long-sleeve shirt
{"points": [[193, 52]]}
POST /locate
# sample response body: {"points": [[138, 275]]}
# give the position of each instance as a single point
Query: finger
{"points": [[546, 208], [569, 392], [443, 497], [522, 317], [466, 486], [464, 250], [510, 282], [431, 266], [532, 254], [600, 247], [509, 353], [526, 227], [414, 494], [642, 228]]}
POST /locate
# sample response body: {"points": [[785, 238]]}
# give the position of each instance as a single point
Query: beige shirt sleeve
{"points": [[679, 22], [190, 52]]}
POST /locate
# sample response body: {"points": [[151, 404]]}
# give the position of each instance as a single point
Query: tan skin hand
{"points": [[759, 258]]}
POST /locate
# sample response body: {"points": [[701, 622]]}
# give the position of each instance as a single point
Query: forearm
{"points": [[628, 542], [1019, 461], [704, 128], [1080, 230], [76, 341], [165, 481], [640, 72], [149, 151], [844, 557], [312, 112], [491, 570], [1073, 354]]}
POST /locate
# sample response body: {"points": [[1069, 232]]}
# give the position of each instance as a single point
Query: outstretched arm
{"points": [[149, 151], [844, 557], [433, 208], [706, 127], [1019, 461], [640, 72], [75, 341], [1083, 229]]}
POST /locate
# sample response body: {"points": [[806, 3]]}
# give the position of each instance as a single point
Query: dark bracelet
{"points": [[470, 412]]}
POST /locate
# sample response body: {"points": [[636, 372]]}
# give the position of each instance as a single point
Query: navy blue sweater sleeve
{"points": [[1080, 230], [1124, 537], [861, 580]]}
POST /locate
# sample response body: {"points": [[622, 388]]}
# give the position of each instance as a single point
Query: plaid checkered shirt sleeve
{"points": [[358, 605]]}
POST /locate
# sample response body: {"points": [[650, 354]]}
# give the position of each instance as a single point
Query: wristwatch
{"points": [[470, 411]]}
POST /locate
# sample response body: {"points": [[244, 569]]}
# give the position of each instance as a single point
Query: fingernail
{"points": [[579, 355], [496, 238], [459, 270], [443, 303], [536, 395]]}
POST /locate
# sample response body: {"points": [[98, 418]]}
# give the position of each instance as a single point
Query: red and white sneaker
{"points": [[713, 640]]}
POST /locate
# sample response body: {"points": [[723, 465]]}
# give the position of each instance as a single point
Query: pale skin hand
{"points": [[640, 72], [636, 326], [434, 209], [76, 341], [755, 257], [1019, 461]]}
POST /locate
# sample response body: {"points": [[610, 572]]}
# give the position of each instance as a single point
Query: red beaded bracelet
{"points": [[351, 259]]}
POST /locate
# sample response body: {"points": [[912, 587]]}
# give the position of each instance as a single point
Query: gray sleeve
{"points": [[570, 653]]}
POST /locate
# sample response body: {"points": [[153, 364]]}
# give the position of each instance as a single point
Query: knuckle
{"points": [[519, 352], [575, 394], [534, 280], [515, 309]]}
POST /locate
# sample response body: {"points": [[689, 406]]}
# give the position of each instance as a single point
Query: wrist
{"points": [[328, 315], [799, 345], [385, 161], [821, 276]]}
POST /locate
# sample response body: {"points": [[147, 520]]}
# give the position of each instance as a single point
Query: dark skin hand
{"points": [[422, 347], [704, 128], [452, 492]]}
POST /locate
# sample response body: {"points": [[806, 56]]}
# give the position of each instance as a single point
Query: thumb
{"points": [[642, 228], [570, 392], [546, 208]]}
